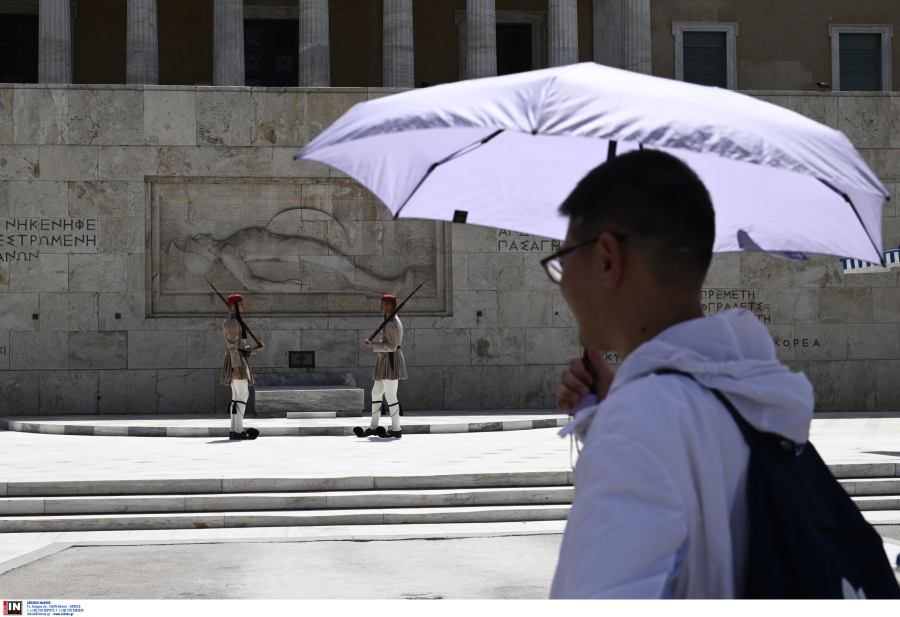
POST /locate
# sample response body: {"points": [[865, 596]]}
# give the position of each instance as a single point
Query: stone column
{"points": [[481, 34], [398, 44], [315, 54], [142, 43], [228, 43], [55, 42], [563, 27], [607, 29], [636, 36]]}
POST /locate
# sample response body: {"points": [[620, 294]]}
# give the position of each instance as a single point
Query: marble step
{"points": [[310, 415], [135, 504], [285, 518], [872, 486], [877, 502], [185, 486], [865, 470], [882, 517]]}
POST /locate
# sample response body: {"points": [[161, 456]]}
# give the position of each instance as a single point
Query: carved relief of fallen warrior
{"points": [[332, 270]]}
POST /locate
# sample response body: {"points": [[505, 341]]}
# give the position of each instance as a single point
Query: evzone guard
{"points": [[235, 369], [390, 368]]}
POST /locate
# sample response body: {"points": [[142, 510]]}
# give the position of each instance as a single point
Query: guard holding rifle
{"points": [[235, 370], [390, 368]]}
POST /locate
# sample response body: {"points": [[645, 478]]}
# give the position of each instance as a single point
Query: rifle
{"points": [[241, 321], [391, 316]]}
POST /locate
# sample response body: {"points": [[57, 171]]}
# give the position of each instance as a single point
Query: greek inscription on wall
{"points": [[293, 246], [714, 301], [23, 239], [515, 242]]}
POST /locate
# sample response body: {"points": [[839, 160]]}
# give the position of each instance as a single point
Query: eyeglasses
{"points": [[554, 267]]}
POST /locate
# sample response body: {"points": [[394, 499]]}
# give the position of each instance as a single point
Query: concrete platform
{"points": [[217, 425], [276, 394], [276, 401]]}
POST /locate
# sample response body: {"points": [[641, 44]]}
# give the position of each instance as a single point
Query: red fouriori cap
{"points": [[235, 298], [387, 298]]}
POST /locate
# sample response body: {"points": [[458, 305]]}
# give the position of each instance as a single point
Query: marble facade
{"points": [[95, 327]]}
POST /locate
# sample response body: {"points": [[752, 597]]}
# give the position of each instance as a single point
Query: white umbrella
{"points": [[506, 151]]}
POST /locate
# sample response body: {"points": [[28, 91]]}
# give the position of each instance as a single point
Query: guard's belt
{"points": [[391, 357]]}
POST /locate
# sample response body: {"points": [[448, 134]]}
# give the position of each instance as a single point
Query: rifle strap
{"points": [[237, 315]]}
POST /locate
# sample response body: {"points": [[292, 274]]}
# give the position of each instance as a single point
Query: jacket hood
{"points": [[734, 353]]}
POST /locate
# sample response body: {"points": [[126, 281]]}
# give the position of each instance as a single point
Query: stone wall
{"points": [[842, 330], [780, 45], [77, 167]]}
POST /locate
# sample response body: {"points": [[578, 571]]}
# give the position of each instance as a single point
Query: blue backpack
{"points": [[807, 537]]}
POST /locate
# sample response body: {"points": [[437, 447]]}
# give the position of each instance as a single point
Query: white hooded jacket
{"points": [[660, 505]]}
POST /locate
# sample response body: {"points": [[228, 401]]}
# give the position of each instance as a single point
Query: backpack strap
{"points": [[751, 435]]}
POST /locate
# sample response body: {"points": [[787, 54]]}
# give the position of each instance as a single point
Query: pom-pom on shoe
{"points": [[359, 432]]}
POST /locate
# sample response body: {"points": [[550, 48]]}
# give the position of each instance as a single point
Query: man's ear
{"points": [[608, 256]]}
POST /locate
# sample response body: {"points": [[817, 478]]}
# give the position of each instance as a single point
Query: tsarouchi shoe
{"points": [[252, 433], [394, 434], [380, 431], [359, 432], [233, 435]]}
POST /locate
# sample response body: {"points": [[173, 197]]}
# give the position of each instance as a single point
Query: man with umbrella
{"points": [[660, 507]]}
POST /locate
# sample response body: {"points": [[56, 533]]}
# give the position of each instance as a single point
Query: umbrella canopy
{"points": [[506, 151]]}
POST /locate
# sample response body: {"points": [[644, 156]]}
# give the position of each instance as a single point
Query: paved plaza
{"points": [[459, 560], [471, 568], [28, 457]]}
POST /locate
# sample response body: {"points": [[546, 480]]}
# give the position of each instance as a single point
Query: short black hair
{"points": [[660, 203]]}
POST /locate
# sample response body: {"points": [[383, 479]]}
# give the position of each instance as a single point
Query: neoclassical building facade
{"points": [[740, 44]]}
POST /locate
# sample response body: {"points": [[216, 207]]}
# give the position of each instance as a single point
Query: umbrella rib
{"points": [[858, 218], [433, 166]]}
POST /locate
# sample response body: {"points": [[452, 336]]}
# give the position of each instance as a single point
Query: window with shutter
{"points": [[860, 62], [705, 58], [18, 49]]}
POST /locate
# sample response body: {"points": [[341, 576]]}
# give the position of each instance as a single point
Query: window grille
{"points": [[18, 49], [271, 49], [513, 48]]}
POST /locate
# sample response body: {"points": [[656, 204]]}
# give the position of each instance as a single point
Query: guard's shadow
{"points": [[885, 453], [226, 441]]}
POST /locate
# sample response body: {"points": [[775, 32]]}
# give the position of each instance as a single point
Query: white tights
{"points": [[240, 391], [388, 388]]}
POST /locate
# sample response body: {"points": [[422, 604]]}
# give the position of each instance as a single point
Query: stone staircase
{"points": [[284, 502]]}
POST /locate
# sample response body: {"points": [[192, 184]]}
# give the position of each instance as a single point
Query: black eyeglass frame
{"points": [[555, 256]]}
